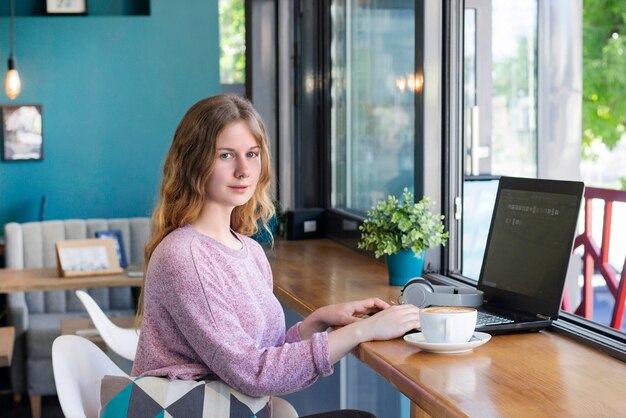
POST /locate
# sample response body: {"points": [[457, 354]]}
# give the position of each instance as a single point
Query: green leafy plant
{"points": [[232, 27], [394, 225], [604, 80]]}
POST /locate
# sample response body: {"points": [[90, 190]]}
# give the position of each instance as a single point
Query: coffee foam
{"points": [[448, 309]]}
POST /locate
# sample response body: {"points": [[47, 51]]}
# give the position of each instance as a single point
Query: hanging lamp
{"points": [[12, 82]]}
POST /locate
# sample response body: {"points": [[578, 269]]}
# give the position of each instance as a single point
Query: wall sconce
{"points": [[12, 82], [410, 82]]}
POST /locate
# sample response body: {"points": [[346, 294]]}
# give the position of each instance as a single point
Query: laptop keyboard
{"points": [[485, 318]]}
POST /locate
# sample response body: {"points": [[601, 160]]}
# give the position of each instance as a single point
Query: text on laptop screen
{"points": [[531, 231]]}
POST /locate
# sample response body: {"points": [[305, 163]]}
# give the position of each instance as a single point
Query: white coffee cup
{"points": [[448, 324]]}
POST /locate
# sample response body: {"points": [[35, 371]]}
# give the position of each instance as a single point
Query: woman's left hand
{"points": [[340, 314], [349, 312]]}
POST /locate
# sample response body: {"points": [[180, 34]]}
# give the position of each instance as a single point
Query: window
{"points": [[601, 165], [232, 20], [372, 101], [503, 70], [500, 106], [522, 87]]}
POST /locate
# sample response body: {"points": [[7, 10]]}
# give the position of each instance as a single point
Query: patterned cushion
{"points": [[158, 397]]}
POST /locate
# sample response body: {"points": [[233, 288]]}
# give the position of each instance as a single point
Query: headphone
{"points": [[421, 293]]}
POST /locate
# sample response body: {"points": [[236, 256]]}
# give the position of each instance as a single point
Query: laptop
{"points": [[527, 253]]}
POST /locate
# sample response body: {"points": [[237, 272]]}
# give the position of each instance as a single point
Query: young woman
{"points": [[207, 307]]}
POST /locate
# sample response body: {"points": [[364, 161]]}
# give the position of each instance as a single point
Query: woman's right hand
{"points": [[390, 323]]}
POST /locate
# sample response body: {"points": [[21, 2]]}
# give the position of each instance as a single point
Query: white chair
{"points": [[78, 364], [123, 341], [281, 408]]}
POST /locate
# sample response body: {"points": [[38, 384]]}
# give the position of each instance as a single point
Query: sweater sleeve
{"points": [[200, 309], [293, 334]]}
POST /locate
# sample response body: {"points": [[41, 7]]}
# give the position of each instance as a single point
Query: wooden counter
{"points": [[540, 374]]}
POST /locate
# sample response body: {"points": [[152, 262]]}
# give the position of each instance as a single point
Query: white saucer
{"points": [[477, 340]]}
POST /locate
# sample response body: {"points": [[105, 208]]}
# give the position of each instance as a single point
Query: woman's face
{"points": [[237, 167]]}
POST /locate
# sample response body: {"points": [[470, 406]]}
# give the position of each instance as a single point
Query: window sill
{"points": [[605, 339]]}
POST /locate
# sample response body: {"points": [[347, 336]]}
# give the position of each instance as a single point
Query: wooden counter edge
{"points": [[424, 400], [427, 402], [292, 301]]}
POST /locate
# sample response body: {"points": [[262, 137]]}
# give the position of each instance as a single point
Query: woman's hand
{"points": [[387, 324], [349, 312], [340, 314], [391, 323]]}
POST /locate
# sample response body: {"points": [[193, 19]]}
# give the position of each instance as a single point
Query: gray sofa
{"points": [[36, 316]]}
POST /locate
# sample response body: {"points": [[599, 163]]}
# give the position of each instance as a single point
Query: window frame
{"points": [[443, 145], [340, 225], [603, 338]]}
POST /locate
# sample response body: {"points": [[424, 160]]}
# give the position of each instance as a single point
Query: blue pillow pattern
{"points": [[158, 397]]}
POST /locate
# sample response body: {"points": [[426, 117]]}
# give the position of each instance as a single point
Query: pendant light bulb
{"points": [[12, 82]]}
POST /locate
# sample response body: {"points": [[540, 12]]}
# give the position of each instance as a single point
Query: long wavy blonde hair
{"points": [[189, 164]]}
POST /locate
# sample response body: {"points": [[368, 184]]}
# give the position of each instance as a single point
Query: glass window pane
{"points": [[469, 61], [602, 166], [372, 94], [514, 97], [232, 19], [500, 131]]}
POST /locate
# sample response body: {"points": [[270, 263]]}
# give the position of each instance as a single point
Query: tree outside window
{"points": [[604, 90], [232, 18]]}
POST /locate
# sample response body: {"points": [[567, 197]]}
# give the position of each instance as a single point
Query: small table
{"points": [[84, 327], [7, 338], [30, 280]]}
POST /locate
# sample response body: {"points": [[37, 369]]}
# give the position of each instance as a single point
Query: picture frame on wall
{"points": [[66, 7], [116, 235], [22, 132]]}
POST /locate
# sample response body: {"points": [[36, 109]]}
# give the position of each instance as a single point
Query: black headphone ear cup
{"points": [[417, 292]]}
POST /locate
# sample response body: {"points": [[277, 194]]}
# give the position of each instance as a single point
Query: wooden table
{"points": [[86, 328], [28, 280], [7, 338], [540, 374]]}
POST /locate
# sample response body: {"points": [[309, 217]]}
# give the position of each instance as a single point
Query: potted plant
{"points": [[402, 231]]}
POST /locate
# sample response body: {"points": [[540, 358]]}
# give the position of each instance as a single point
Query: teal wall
{"points": [[113, 90]]}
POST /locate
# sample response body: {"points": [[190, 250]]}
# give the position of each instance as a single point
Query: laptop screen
{"points": [[529, 244]]}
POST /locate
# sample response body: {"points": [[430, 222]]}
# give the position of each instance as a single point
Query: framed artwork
{"points": [[87, 257], [66, 7], [119, 244], [22, 133]]}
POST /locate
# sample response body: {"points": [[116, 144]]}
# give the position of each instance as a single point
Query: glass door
{"points": [[500, 110]]}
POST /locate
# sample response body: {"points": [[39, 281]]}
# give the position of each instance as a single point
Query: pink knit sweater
{"points": [[209, 312]]}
